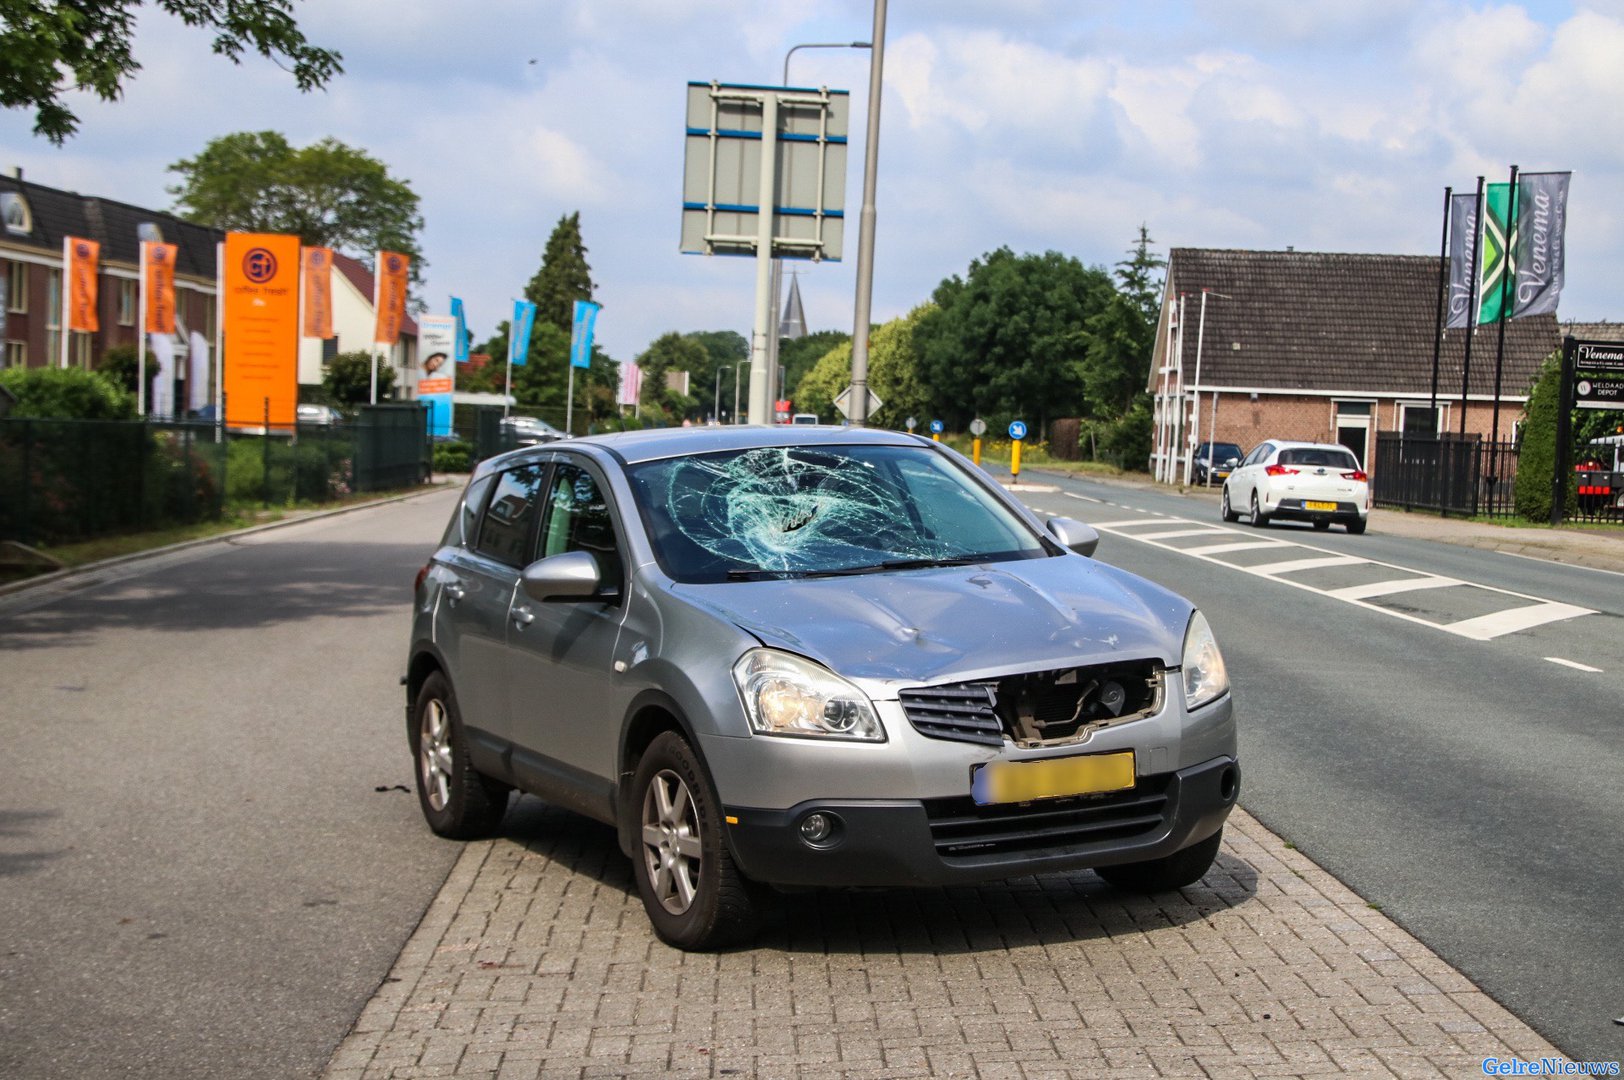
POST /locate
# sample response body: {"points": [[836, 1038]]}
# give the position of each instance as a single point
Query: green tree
{"points": [[670, 352], [564, 276], [797, 356], [327, 194], [52, 48], [348, 379], [893, 374], [1116, 365], [723, 349], [1009, 339], [66, 394], [1536, 459]]}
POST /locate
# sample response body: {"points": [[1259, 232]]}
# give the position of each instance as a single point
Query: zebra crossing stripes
{"points": [[1158, 530]]}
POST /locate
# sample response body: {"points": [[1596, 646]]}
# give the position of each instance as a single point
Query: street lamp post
{"points": [[716, 406], [775, 387], [865, 238]]}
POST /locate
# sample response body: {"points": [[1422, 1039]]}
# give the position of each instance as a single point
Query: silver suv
{"points": [[809, 656]]}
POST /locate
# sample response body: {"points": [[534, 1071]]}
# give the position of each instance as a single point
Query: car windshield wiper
{"points": [[758, 573], [899, 564]]}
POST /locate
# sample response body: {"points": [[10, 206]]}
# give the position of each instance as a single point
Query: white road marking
{"points": [[1293, 565], [1085, 498], [1239, 545], [1574, 664], [1536, 612], [1200, 530], [1388, 588], [1511, 620]]}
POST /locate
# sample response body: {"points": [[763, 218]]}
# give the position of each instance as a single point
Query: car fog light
{"points": [[816, 828]]}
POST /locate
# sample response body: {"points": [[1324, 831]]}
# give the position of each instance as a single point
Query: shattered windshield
{"points": [[826, 510]]}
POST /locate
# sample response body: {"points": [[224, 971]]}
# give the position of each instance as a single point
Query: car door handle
{"points": [[523, 617], [455, 590]]}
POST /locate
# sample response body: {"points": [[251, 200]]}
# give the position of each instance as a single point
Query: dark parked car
{"points": [[805, 656], [1214, 461]]}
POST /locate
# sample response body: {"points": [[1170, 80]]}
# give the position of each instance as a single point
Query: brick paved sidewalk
{"points": [[536, 960]]}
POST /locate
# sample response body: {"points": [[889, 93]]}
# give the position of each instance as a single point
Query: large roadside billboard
{"points": [[261, 329]]}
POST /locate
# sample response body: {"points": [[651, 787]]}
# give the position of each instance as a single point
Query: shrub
{"points": [[452, 457], [1536, 459], [66, 394]]}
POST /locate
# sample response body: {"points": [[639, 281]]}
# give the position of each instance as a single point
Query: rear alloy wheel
{"points": [[1170, 872], [457, 800], [1356, 526], [1259, 518], [694, 895], [1226, 511]]}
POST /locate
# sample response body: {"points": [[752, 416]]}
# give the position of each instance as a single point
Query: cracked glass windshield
{"points": [[805, 512]]}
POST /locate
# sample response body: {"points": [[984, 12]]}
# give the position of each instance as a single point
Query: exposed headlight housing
{"points": [[1205, 677], [786, 695]]}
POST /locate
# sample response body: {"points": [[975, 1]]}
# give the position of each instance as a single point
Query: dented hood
{"points": [[948, 624]]}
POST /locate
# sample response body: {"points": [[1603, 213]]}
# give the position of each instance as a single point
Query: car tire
{"points": [[458, 801], [1225, 511], [1356, 526], [1169, 872], [693, 893], [1321, 526], [1259, 518]]}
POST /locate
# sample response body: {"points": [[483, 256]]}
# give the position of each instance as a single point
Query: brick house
{"points": [[1325, 348], [33, 221]]}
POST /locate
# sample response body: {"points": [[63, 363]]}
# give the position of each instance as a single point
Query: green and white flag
{"points": [[1493, 260]]}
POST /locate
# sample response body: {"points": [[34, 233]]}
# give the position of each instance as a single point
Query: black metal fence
{"points": [[67, 480], [1473, 477]]}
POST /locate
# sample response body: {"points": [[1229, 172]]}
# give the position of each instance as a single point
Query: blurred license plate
{"points": [[1319, 506], [1024, 781]]}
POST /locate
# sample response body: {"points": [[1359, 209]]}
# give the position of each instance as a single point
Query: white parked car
{"points": [[1318, 482]]}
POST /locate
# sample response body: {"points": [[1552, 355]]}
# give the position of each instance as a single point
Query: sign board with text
{"points": [[261, 329], [437, 345], [1598, 375]]}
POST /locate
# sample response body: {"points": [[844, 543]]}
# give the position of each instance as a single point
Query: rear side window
{"points": [[1316, 457], [465, 523], [504, 532]]}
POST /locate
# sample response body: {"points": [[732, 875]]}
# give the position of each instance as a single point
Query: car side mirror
{"points": [[569, 575], [1073, 534], [1231, 462]]}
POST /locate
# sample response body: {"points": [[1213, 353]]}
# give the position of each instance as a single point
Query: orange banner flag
{"points": [[160, 286], [81, 258], [317, 267], [391, 269]]}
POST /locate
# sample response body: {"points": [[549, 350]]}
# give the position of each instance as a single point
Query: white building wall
{"points": [[353, 325]]}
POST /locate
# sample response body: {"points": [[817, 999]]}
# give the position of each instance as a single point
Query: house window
{"points": [[53, 316], [16, 354], [14, 208], [17, 287], [126, 302], [1418, 421]]}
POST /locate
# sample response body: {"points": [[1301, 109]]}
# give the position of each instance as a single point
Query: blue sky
{"points": [[1037, 124]]}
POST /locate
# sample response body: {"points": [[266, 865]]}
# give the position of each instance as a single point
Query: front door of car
{"points": [[1243, 480], [564, 695], [485, 574]]}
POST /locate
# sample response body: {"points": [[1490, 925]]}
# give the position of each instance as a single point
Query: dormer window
{"points": [[14, 210]]}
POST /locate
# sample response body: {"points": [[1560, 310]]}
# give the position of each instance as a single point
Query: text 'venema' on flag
{"points": [[1542, 217], [1462, 242], [1496, 260]]}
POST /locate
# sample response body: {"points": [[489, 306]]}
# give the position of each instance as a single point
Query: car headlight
{"points": [[1205, 677], [786, 695]]}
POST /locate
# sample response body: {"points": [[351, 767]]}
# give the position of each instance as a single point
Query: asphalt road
{"points": [[1458, 772], [198, 875]]}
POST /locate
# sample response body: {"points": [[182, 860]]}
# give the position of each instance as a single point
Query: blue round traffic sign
{"points": [[935, 427], [1017, 429]]}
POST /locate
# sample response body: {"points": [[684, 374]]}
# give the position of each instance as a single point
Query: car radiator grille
{"points": [[962, 712], [963, 830]]}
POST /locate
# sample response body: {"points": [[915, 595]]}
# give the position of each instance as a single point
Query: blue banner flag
{"points": [[586, 318], [524, 317], [460, 346]]}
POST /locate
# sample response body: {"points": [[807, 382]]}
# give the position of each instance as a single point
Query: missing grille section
{"points": [[1039, 708]]}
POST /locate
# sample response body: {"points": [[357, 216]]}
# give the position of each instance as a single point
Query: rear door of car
{"points": [[565, 698], [479, 596]]}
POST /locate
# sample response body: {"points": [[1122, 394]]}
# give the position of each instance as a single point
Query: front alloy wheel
{"points": [[672, 851], [694, 895]]}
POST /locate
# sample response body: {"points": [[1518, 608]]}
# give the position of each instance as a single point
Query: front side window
{"points": [[504, 532], [579, 519], [823, 510]]}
